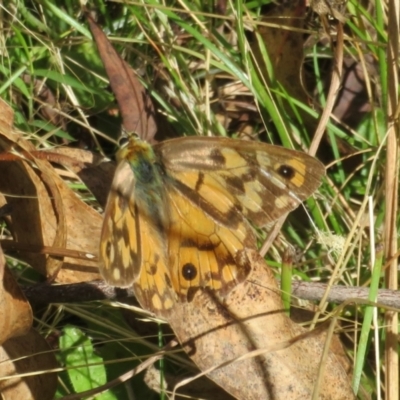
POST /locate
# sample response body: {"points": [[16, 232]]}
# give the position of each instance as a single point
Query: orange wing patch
{"points": [[202, 251]]}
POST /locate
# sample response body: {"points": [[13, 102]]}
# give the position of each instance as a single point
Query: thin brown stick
{"points": [[46, 293], [338, 294], [50, 250], [99, 290]]}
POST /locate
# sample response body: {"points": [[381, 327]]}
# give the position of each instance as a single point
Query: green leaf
{"points": [[85, 368]]}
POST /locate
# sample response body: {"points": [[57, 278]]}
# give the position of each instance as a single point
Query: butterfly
{"points": [[178, 213]]}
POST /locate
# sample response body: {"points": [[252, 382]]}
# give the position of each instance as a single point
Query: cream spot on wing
{"points": [[248, 204], [112, 253], [232, 158], [116, 275], [251, 200], [283, 201], [168, 303], [263, 159], [110, 223], [253, 187], [228, 274], [156, 302]]}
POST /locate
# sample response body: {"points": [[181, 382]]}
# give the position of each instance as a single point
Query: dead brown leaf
{"points": [[134, 103], [286, 362], [28, 354], [45, 211], [15, 312], [20, 345]]}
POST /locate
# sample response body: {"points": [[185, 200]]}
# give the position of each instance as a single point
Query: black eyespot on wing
{"points": [[286, 171], [189, 271]]}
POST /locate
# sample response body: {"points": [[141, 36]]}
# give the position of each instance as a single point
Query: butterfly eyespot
{"points": [[286, 171], [189, 271]]}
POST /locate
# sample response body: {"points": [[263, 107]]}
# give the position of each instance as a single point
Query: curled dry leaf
{"points": [[21, 346], [287, 362], [28, 354], [45, 211], [15, 311], [134, 103]]}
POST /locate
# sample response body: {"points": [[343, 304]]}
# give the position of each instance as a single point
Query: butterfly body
{"points": [[177, 217], [148, 187]]}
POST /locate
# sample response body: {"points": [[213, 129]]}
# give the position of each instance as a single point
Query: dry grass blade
{"points": [[392, 380]]}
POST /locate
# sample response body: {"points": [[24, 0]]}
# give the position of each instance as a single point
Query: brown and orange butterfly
{"points": [[177, 216]]}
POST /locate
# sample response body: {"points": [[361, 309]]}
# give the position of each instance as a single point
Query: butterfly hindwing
{"points": [[202, 251]]}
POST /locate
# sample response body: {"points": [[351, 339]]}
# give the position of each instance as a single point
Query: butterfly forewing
{"points": [[265, 181], [153, 288], [120, 260]]}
